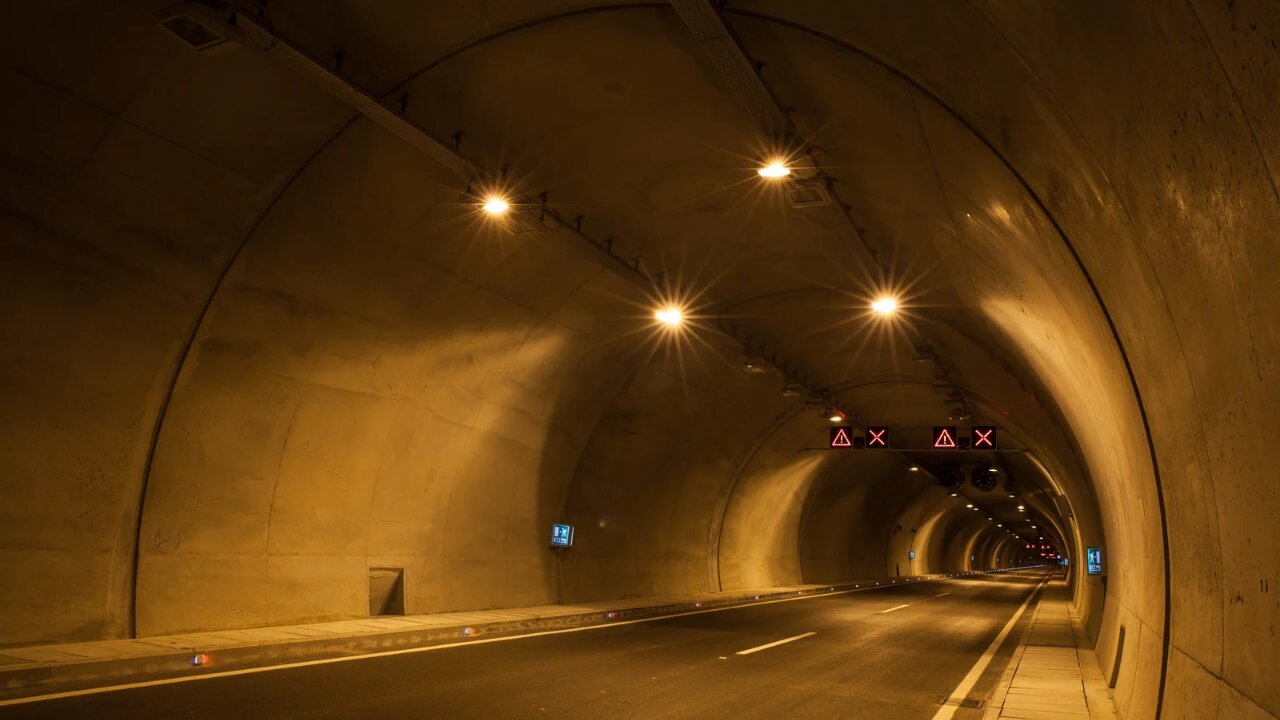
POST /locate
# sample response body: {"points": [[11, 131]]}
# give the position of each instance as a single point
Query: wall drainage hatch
{"points": [[961, 702]]}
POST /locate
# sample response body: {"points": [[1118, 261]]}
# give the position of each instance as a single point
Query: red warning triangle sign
{"points": [[944, 438], [840, 438]]}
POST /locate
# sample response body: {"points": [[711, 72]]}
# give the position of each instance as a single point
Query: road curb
{"points": [[39, 679]]}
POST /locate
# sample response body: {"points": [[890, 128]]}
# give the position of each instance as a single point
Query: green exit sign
{"points": [[1093, 560]]}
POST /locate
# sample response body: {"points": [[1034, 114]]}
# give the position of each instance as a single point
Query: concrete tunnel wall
{"points": [[1112, 230]]}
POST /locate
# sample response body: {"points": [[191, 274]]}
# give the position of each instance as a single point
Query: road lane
{"points": [[776, 643], [853, 662]]}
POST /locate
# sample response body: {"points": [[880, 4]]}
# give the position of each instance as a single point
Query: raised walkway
{"points": [[1054, 675]]}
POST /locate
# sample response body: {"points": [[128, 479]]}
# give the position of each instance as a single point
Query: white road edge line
{"points": [[775, 643], [942, 594], [429, 648], [948, 710], [899, 607]]}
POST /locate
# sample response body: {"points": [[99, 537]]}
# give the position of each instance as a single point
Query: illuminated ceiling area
{"points": [[299, 292]]}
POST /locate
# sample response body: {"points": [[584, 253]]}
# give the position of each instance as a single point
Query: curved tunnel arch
{"points": [[361, 346]]}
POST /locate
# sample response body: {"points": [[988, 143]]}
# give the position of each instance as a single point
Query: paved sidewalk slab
{"points": [[1050, 681]]}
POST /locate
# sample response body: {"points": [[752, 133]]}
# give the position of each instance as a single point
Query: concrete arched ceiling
{"points": [[257, 344]]}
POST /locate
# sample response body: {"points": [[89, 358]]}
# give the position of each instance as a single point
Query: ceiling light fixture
{"points": [[884, 306], [671, 316], [774, 170], [495, 205]]}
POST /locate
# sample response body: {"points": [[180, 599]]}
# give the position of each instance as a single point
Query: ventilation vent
{"points": [[201, 29], [386, 591]]}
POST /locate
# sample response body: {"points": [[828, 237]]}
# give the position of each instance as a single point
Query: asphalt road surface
{"points": [[892, 652]]}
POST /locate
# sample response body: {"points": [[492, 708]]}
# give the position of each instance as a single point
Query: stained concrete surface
{"points": [[255, 345]]}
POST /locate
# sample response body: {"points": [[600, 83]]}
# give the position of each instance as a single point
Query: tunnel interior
{"points": [[266, 356]]}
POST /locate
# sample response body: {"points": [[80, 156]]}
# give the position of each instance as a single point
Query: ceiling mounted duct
{"points": [[982, 478], [793, 390], [950, 477], [755, 366]]}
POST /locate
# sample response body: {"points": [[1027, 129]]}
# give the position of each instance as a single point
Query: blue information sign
{"points": [[561, 535], [1093, 560]]}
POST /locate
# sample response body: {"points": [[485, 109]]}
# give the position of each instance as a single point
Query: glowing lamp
{"points": [[774, 170], [884, 306], [670, 316], [495, 205]]}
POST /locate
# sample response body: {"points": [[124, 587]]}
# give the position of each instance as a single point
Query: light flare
{"points": [[884, 306], [774, 170]]}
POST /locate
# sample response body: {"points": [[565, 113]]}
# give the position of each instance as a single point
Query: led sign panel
{"points": [[842, 436], [982, 437], [561, 535], [877, 437], [944, 438], [1093, 560]]}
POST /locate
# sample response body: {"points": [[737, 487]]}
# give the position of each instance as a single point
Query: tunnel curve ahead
{"points": [[259, 347]]}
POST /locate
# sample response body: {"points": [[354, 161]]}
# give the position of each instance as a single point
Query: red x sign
{"points": [[983, 437], [877, 437]]}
